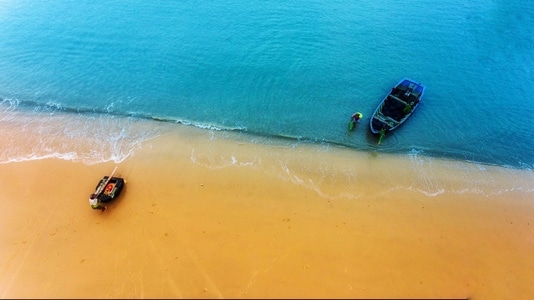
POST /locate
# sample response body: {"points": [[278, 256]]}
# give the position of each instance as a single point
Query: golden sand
{"points": [[219, 218]]}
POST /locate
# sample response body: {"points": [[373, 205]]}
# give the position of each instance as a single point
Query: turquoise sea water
{"points": [[271, 69]]}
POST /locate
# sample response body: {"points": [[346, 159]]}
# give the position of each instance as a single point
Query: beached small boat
{"points": [[107, 189], [110, 189], [396, 107]]}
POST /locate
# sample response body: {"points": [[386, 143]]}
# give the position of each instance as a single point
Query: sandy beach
{"points": [[213, 217]]}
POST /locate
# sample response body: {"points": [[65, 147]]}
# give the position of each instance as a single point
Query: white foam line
{"points": [[226, 162]]}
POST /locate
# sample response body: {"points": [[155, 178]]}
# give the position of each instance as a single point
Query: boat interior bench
{"points": [[385, 119], [397, 99]]}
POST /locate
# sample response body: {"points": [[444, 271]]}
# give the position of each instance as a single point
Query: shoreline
{"points": [[140, 128], [207, 216]]}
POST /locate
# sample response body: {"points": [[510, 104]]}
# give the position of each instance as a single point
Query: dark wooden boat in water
{"points": [[396, 107]]}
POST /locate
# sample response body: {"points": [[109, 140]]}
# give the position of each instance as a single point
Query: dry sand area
{"points": [[220, 218]]}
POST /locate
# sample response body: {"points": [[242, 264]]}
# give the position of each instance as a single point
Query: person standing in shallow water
{"points": [[356, 117], [95, 203], [382, 134]]}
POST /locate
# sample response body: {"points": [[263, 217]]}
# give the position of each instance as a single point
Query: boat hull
{"points": [[112, 190], [397, 106]]}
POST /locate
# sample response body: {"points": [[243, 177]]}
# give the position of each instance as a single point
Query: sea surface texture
{"points": [[295, 70]]}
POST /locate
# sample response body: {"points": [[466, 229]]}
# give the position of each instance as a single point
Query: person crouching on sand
{"points": [[95, 203]]}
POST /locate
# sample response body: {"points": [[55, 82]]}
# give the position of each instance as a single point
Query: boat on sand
{"points": [[107, 189]]}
